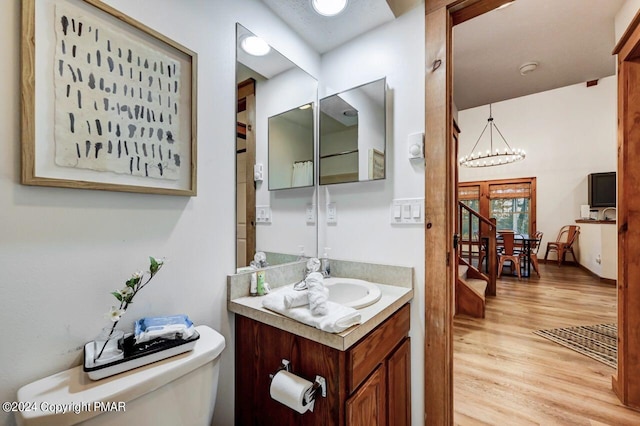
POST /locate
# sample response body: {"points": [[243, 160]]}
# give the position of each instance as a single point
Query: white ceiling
{"points": [[571, 40], [325, 33]]}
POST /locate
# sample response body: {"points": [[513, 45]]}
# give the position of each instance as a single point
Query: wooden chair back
{"points": [[568, 235], [535, 245], [508, 243]]}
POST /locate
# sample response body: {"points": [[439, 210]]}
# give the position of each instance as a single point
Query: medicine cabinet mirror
{"points": [[353, 134], [291, 148], [275, 132]]}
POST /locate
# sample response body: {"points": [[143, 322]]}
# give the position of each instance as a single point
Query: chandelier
{"points": [[491, 157]]}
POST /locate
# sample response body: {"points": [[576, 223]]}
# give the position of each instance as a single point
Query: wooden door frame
{"points": [[625, 383], [441, 16], [246, 102]]}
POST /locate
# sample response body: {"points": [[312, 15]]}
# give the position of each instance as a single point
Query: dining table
{"points": [[523, 243]]}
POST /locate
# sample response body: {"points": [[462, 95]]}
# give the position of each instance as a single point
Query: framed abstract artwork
{"points": [[107, 102]]}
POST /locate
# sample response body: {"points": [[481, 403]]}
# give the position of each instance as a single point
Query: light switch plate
{"points": [[407, 211], [263, 214]]}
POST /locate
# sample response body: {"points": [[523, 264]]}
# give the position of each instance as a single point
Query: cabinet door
{"points": [[399, 385], [368, 406]]}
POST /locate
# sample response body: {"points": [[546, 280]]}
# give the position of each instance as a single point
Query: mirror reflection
{"points": [[353, 134], [291, 148], [271, 118]]}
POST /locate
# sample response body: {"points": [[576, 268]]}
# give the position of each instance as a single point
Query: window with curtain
{"points": [[511, 201]]}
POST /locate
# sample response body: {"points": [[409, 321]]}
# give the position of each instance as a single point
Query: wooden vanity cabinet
{"points": [[368, 384]]}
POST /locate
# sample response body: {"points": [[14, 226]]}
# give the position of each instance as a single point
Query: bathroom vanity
{"points": [[366, 368]]}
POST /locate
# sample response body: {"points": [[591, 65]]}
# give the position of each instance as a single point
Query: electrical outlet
{"points": [[311, 214], [332, 214]]}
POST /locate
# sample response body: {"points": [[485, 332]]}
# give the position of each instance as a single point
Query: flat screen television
{"points": [[602, 189]]}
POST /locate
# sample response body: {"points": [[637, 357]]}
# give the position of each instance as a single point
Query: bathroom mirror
{"points": [[291, 148], [353, 134], [274, 130]]}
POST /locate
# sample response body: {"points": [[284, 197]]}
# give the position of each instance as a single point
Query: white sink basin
{"points": [[352, 292]]}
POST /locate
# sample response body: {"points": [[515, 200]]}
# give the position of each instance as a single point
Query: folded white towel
{"points": [[338, 318]]}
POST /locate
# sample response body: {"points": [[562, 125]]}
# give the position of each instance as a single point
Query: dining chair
{"points": [[508, 253], [564, 243], [533, 254]]}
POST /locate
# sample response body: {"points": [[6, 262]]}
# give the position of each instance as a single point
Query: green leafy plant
{"points": [[125, 296]]}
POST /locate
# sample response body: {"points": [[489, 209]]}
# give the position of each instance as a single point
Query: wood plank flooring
{"points": [[506, 375]]}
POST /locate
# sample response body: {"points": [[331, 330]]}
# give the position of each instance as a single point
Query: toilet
{"points": [[180, 390]]}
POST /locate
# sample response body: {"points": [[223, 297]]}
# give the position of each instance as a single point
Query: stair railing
{"points": [[477, 236]]}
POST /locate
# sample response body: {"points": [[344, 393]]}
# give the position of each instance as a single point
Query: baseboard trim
{"points": [[584, 268], [602, 280]]}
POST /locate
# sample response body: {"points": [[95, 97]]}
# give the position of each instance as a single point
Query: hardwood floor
{"points": [[506, 375]]}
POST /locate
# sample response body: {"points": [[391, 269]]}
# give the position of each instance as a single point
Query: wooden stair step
{"points": [[462, 271], [478, 286]]}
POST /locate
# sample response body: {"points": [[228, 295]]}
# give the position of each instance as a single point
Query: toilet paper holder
{"points": [[319, 384]]}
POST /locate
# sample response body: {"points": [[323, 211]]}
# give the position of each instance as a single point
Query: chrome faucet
{"points": [[604, 213]]}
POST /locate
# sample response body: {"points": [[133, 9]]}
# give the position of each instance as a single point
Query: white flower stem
{"points": [[125, 304]]}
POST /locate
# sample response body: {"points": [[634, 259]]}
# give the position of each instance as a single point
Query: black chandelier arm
{"points": [[503, 139], [478, 141]]}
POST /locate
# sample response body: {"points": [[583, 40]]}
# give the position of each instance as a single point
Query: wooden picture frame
{"points": [[107, 102]]}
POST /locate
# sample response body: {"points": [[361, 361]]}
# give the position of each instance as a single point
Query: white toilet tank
{"points": [[180, 390]]}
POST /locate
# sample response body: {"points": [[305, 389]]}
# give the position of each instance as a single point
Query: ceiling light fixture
{"points": [[528, 67], [350, 113], [305, 106], [490, 157], [329, 7], [255, 46]]}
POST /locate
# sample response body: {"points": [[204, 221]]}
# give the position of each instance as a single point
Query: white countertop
{"points": [[392, 298]]}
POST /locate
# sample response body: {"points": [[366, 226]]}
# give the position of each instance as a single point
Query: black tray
{"points": [[136, 355]]}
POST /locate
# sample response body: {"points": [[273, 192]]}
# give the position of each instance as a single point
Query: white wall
{"points": [[288, 228], [598, 249], [567, 134], [625, 15], [62, 251], [363, 231]]}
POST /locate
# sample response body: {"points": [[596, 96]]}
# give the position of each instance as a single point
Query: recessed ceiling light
{"points": [[350, 113], [329, 7], [527, 68], [305, 106], [255, 46]]}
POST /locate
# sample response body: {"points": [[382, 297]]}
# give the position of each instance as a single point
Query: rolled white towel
{"points": [[318, 294]]}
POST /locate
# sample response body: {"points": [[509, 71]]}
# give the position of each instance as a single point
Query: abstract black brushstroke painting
{"points": [[101, 56]]}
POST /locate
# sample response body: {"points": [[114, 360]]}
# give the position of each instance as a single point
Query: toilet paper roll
{"points": [[290, 390]]}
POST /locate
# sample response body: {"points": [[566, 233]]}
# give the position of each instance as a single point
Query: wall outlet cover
{"points": [[332, 214]]}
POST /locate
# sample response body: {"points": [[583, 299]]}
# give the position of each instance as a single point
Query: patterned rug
{"points": [[599, 341]]}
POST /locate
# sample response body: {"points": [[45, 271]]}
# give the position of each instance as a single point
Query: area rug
{"points": [[599, 341]]}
